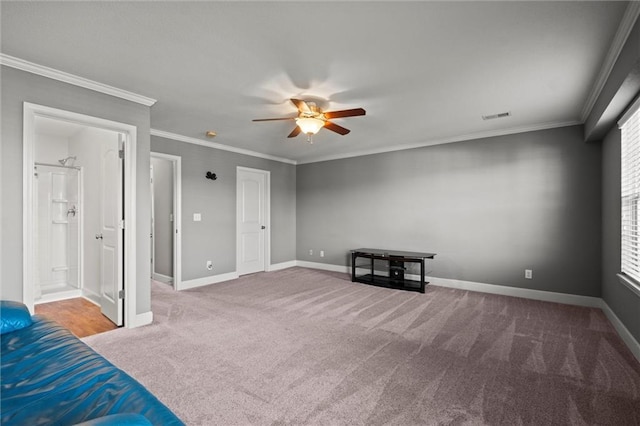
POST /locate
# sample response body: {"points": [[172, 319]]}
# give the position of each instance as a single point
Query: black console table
{"points": [[396, 260]]}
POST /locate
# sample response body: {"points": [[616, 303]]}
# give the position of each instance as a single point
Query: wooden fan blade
{"points": [[301, 105], [273, 119], [295, 132], [335, 128], [345, 113]]}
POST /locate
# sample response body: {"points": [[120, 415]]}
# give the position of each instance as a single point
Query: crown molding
{"points": [[624, 29], [431, 142], [195, 141], [21, 64]]}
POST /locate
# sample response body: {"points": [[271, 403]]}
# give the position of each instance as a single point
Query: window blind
{"points": [[630, 192]]}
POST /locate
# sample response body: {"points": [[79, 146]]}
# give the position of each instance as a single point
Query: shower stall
{"points": [[58, 219]]}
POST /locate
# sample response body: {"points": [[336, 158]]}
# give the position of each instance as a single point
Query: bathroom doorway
{"points": [[76, 199], [77, 207]]}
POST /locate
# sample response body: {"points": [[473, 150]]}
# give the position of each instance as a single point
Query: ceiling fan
{"points": [[311, 119]]}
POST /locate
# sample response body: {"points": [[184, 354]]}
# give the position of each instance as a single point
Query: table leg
{"points": [[372, 261], [353, 267]]}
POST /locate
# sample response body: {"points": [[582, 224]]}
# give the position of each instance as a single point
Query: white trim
{"points": [[88, 299], [631, 285], [525, 293], [267, 215], [209, 144], [139, 320], [624, 29], [30, 112], [152, 206], [635, 106], [162, 278], [624, 333], [283, 265], [213, 279], [461, 138], [92, 296], [177, 215], [60, 295], [21, 64], [547, 296], [324, 266]]}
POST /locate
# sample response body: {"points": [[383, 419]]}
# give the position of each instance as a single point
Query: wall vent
{"points": [[500, 115]]}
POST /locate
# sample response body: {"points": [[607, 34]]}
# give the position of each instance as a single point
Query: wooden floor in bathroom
{"points": [[79, 315]]}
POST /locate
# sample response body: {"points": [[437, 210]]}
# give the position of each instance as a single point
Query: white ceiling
{"points": [[425, 71]]}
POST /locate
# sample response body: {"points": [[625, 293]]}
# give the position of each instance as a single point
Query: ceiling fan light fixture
{"points": [[310, 125]]}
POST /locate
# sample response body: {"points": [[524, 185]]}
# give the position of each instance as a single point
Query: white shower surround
{"points": [[59, 232]]}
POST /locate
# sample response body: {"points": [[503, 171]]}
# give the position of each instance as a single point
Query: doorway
{"points": [[166, 206], [253, 230], [86, 239]]}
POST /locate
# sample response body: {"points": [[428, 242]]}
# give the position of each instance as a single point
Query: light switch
{"points": [[197, 217]]}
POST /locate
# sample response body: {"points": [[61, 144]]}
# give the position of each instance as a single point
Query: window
{"points": [[630, 193]]}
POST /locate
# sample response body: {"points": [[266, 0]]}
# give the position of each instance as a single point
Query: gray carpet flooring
{"points": [[308, 347]]}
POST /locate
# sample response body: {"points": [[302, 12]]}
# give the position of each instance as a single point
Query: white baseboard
{"points": [[624, 333], [525, 293], [323, 266], [163, 278], [283, 265], [141, 319], [92, 299], [91, 296], [62, 295], [213, 279]]}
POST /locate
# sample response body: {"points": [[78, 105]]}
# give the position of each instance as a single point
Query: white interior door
{"points": [[110, 235], [252, 220]]}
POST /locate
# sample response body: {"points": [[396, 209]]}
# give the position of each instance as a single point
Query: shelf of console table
{"points": [[396, 260]]}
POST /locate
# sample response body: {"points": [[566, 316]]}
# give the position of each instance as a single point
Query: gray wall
{"points": [[214, 238], [162, 210], [19, 87], [489, 208]]}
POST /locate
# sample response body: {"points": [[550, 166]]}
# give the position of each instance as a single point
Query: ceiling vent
{"points": [[500, 115]]}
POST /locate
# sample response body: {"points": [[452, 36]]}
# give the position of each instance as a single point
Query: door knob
{"points": [[263, 227], [98, 236]]}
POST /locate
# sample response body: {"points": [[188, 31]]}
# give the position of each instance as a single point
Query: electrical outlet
{"points": [[209, 265], [310, 252], [197, 217], [528, 274], [321, 253]]}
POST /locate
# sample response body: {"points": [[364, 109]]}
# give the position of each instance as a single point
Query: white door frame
{"points": [[153, 225], [31, 111], [177, 216], [267, 216]]}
